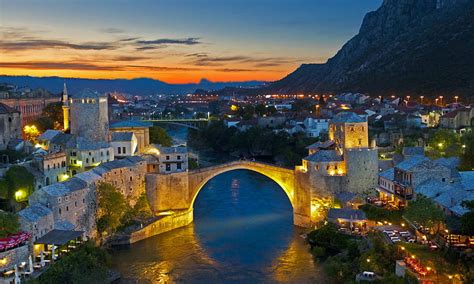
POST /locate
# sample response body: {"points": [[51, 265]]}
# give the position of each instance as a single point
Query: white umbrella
{"points": [[30, 264], [17, 275], [54, 255], [42, 259]]}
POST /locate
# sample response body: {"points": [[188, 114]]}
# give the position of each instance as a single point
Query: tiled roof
{"points": [[324, 156], [122, 136], [388, 174], [411, 162], [48, 135], [467, 179], [318, 145], [7, 109], [83, 144], [34, 212], [346, 213], [171, 150], [345, 196], [130, 124], [347, 117], [56, 189]]}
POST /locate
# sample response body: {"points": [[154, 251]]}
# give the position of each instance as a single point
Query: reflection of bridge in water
{"points": [[193, 123]]}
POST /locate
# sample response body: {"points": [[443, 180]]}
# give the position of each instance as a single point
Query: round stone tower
{"points": [[89, 115]]}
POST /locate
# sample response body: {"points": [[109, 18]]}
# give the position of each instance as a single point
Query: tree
{"points": [[9, 224], [159, 136], [20, 183], [467, 157], [444, 143], [424, 212], [467, 220], [112, 208], [88, 264], [260, 109], [142, 207], [54, 111]]}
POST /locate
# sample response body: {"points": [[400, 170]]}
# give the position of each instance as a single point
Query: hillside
{"points": [[139, 86], [407, 47]]}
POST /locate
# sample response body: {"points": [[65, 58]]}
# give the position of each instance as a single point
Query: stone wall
{"points": [[164, 224], [167, 191], [9, 258], [362, 170]]}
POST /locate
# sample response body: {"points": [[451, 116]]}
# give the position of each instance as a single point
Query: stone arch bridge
{"points": [[178, 191]]}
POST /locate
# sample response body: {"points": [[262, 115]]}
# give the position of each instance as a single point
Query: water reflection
{"points": [[243, 232]]}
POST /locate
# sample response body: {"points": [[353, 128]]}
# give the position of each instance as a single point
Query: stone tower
{"points": [[66, 109], [89, 115]]}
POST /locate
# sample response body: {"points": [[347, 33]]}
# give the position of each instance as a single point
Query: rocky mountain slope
{"points": [[405, 47]]}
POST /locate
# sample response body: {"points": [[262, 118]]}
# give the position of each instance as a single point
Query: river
{"points": [[242, 233]]}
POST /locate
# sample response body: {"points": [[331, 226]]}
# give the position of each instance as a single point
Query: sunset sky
{"points": [[175, 41]]}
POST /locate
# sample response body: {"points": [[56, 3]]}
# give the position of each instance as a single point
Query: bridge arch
{"points": [[282, 176]]}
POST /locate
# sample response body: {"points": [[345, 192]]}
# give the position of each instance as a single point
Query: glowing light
{"points": [[368, 259], [3, 261], [332, 172], [403, 248], [20, 195], [440, 145], [413, 256], [340, 171], [166, 213], [403, 224], [234, 108], [63, 177]]}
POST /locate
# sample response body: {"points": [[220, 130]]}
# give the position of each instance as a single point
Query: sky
{"points": [[176, 41]]}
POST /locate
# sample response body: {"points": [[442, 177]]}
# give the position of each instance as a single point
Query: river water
{"points": [[242, 233]]}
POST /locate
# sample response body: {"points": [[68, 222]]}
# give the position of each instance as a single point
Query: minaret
{"points": [[65, 108]]}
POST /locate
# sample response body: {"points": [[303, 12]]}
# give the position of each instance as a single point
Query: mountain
{"points": [[139, 86], [406, 47]]}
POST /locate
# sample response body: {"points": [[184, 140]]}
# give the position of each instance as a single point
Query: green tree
{"points": [[159, 136], [112, 208], [467, 220], [142, 207], [424, 212], [54, 111], [9, 224], [467, 157], [20, 183], [444, 143], [260, 109], [88, 264]]}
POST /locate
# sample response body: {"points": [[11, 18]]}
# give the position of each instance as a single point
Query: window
{"points": [[124, 150], [178, 166], [168, 167], [67, 208], [131, 178], [93, 159], [90, 154], [179, 157], [87, 160], [167, 158], [443, 179], [360, 141], [119, 150], [59, 210]]}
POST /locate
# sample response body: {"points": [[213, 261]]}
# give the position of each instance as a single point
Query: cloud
{"points": [[203, 59], [112, 31], [35, 44], [161, 42]]}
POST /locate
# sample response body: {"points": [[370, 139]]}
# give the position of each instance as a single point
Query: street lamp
{"points": [[421, 99], [456, 98]]}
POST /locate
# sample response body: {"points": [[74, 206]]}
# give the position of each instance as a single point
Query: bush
{"points": [[88, 264], [379, 214], [9, 224]]}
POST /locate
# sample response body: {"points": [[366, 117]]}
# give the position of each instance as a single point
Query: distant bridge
{"points": [[189, 123]]}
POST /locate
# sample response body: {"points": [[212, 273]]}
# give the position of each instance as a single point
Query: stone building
{"points": [[315, 126], [30, 108], [173, 159], [345, 162], [52, 166], [89, 116], [10, 125], [140, 129], [124, 144], [37, 220], [127, 175], [83, 154], [458, 118]]}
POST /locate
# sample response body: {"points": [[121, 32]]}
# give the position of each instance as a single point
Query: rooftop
{"points": [[34, 212], [7, 109], [171, 150], [59, 237], [346, 214], [388, 174], [347, 117], [48, 135], [122, 136], [325, 156], [411, 162]]}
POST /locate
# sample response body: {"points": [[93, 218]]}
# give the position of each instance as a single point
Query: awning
{"points": [[59, 237]]}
